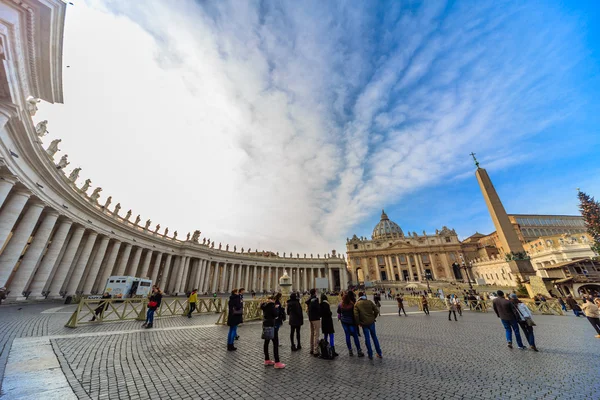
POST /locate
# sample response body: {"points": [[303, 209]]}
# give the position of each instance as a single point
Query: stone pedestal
{"points": [[285, 283]]}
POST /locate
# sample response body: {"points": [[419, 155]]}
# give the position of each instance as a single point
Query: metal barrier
{"points": [[115, 310]]}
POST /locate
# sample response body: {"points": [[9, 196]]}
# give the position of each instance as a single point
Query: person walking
{"points": [[572, 303], [451, 307], [314, 317], [154, 301], [270, 334], [525, 318], [365, 313], [296, 320], [235, 316], [400, 301], [458, 304], [327, 323], [562, 304], [592, 313], [506, 311], [192, 302], [102, 306], [346, 316], [377, 299], [425, 304]]}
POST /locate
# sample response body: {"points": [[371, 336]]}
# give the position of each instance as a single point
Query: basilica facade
{"points": [[391, 256]]}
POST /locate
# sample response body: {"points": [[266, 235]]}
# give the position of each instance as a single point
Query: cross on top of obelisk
{"points": [[474, 159]]}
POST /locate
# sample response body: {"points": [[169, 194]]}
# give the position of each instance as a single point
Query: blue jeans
{"points": [[150, 316], [369, 331], [350, 331], [331, 338], [564, 308], [232, 334], [509, 327]]}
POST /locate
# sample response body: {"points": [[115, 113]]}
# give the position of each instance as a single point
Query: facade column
{"points": [[120, 271], [196, 282], [331, 283], [187, 276], [420, 266], [229, 287], [269, 278], [223, 284], [204, 279], [88, 285], [343, 279], [6, 184], [81, 264], [146, 264], [135, 262], [166, 272], [239, 276], [179, 277], [156, 267], [261, 278], [108, 267], [247, 277], [304, 279], [10, 213], [13, 250], [171, 284], [32, 257], [65, 264], [214, 287], [253, 285], [311, 283]]}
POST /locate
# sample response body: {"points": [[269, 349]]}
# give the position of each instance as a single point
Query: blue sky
{"points": [[290, 125]]}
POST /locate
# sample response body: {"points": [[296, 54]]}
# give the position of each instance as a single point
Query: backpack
{"points": [[324, 350]]}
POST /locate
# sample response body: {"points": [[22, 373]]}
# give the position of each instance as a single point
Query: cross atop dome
{"points": [[384, 215]]}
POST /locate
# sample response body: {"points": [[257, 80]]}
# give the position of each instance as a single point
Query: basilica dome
{"points": [[387, 229]]}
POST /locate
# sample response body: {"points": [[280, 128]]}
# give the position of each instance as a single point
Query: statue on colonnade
{"points": [[166, 231], [157, 228], [174, 235], [117, 209], [203, 240], [53, 148], [95, 194], [212, 245], [63, 162], [147, 224], [86, 185], [234, 248], [196, 236], [227, 247], [137, 220], [41, 129], [31, 104], [187, 238], [219, 245], [242, 249], [128, 215], [74, 174], [108, 201]]}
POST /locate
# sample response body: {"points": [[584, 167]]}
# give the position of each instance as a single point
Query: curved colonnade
{"points": [[55, 240]]}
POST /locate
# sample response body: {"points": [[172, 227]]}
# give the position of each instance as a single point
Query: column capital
{"points": [[9, 179]]}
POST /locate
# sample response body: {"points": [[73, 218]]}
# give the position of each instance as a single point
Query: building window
{"points": [[355, 247], [380, 260], [448, 240], [425, 258], [402, 258]]}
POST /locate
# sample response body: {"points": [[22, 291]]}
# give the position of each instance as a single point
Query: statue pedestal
{"points": [[285, 283]]}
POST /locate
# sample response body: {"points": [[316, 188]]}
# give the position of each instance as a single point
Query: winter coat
{"points": [[365, 312], [523, 311], [505, 309], [346, 314], [269, 313], [294, 311], [590, 310], [314, 312], [573, 304], [450, 306], [235, 303], [157, 297], [326, 319], [280, 313]]}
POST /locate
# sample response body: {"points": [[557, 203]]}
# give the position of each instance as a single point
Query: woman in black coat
{"points": [[235, 316], [327, 322], [294, 311]]}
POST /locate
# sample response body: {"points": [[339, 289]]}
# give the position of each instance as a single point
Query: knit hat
{"points": [[513, 296]]}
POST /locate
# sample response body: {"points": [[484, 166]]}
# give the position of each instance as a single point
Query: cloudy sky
{"points": [[289, 125]]}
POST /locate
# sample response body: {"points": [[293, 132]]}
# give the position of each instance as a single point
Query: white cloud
{"points": [[282, 125]]}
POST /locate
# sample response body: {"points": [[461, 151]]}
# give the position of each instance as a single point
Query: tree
{"points": [[590, 210]]}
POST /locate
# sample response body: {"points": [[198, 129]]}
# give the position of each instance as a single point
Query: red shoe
{"points": [[269, 363], [279, 365]]}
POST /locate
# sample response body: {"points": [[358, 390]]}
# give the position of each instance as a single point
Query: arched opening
{"points": [[457, 272], [360, 276]]}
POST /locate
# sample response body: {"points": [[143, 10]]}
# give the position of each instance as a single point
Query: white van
{"points": [[121, 287]]}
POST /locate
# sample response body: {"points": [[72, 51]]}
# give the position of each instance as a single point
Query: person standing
{"points": [[592, 313], [400, 301], [154, 301], [102, 306], [346, 317], [506, 311], [314, 317], [270, 314], [451, 307], [457, 304], [235, 316], [192, 302], [525, 318], [425, 304], [327, 323], [562, 304], [365, 313], [572, 303], [377, 299], [296, 320]]}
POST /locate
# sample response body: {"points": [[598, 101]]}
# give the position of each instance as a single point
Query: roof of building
{"points": [[566, 263], [387, 229]]}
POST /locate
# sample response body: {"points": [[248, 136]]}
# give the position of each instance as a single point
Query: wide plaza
{"points": [[424, 357]]}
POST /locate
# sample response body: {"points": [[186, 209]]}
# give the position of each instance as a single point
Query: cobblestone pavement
{"points": [[425, 357]]}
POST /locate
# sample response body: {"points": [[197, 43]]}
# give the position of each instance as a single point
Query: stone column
{"points": [[261, 278], [13, 250], [331, 283], [6, 184], [135, 262], [224, 276], [175, 283], [304, 279], [239, 276], [156, 267], [110, 266], [343, 278], [146, 264], [31, 260], [164, 277], [184, 274], [253, 269], [81, 263], [204, 277], [88, 285], [246, 277], [65, 264], [10, 213], [311, 283], [269, 280], [215, 281], [120, 271]]}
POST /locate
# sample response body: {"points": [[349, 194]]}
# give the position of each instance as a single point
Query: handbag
{"points": [[237, 311], [268, 332], [529, 321], [152, 304]]}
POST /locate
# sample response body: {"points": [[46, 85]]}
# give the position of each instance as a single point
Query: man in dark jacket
{"points": [[314, 316], [294, 311], [365, 312], [505, 310]]}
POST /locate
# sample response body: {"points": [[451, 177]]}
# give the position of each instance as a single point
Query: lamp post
{"points": [[464, 266], [426, 275]]}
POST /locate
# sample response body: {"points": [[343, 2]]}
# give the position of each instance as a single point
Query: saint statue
{"points": [[74, 174], [108, 201], [166, 231], [53, 148], [63, 162], [187, 238], [284, 254], [137, 220], [147, 224], [234, 248], [128, 215], [175, 235], [212, 245], [117, 209], [31, 104], [95, 194], [196, 236], [86, 185], [227, 247], [157, 228], [318, 256], [41, 129], [203, 240], [311, 255], [219, 245], [304, 255]]}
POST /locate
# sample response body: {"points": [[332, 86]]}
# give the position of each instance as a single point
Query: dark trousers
{"points": [[528, 331], [297, 330], [450, 312], [401, 309], [426, 309], [275, 341], [459, 309], [191, 310], [595, 323]]}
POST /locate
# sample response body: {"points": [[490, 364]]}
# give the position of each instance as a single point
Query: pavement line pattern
{"points": [[33, 368]]}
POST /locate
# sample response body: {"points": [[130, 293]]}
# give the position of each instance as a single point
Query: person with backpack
{"points": [[400, 301], [346, 316], [294, 311], [314, 317], [365, 313], [235, 316], [270, 334], [327, 324]]}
